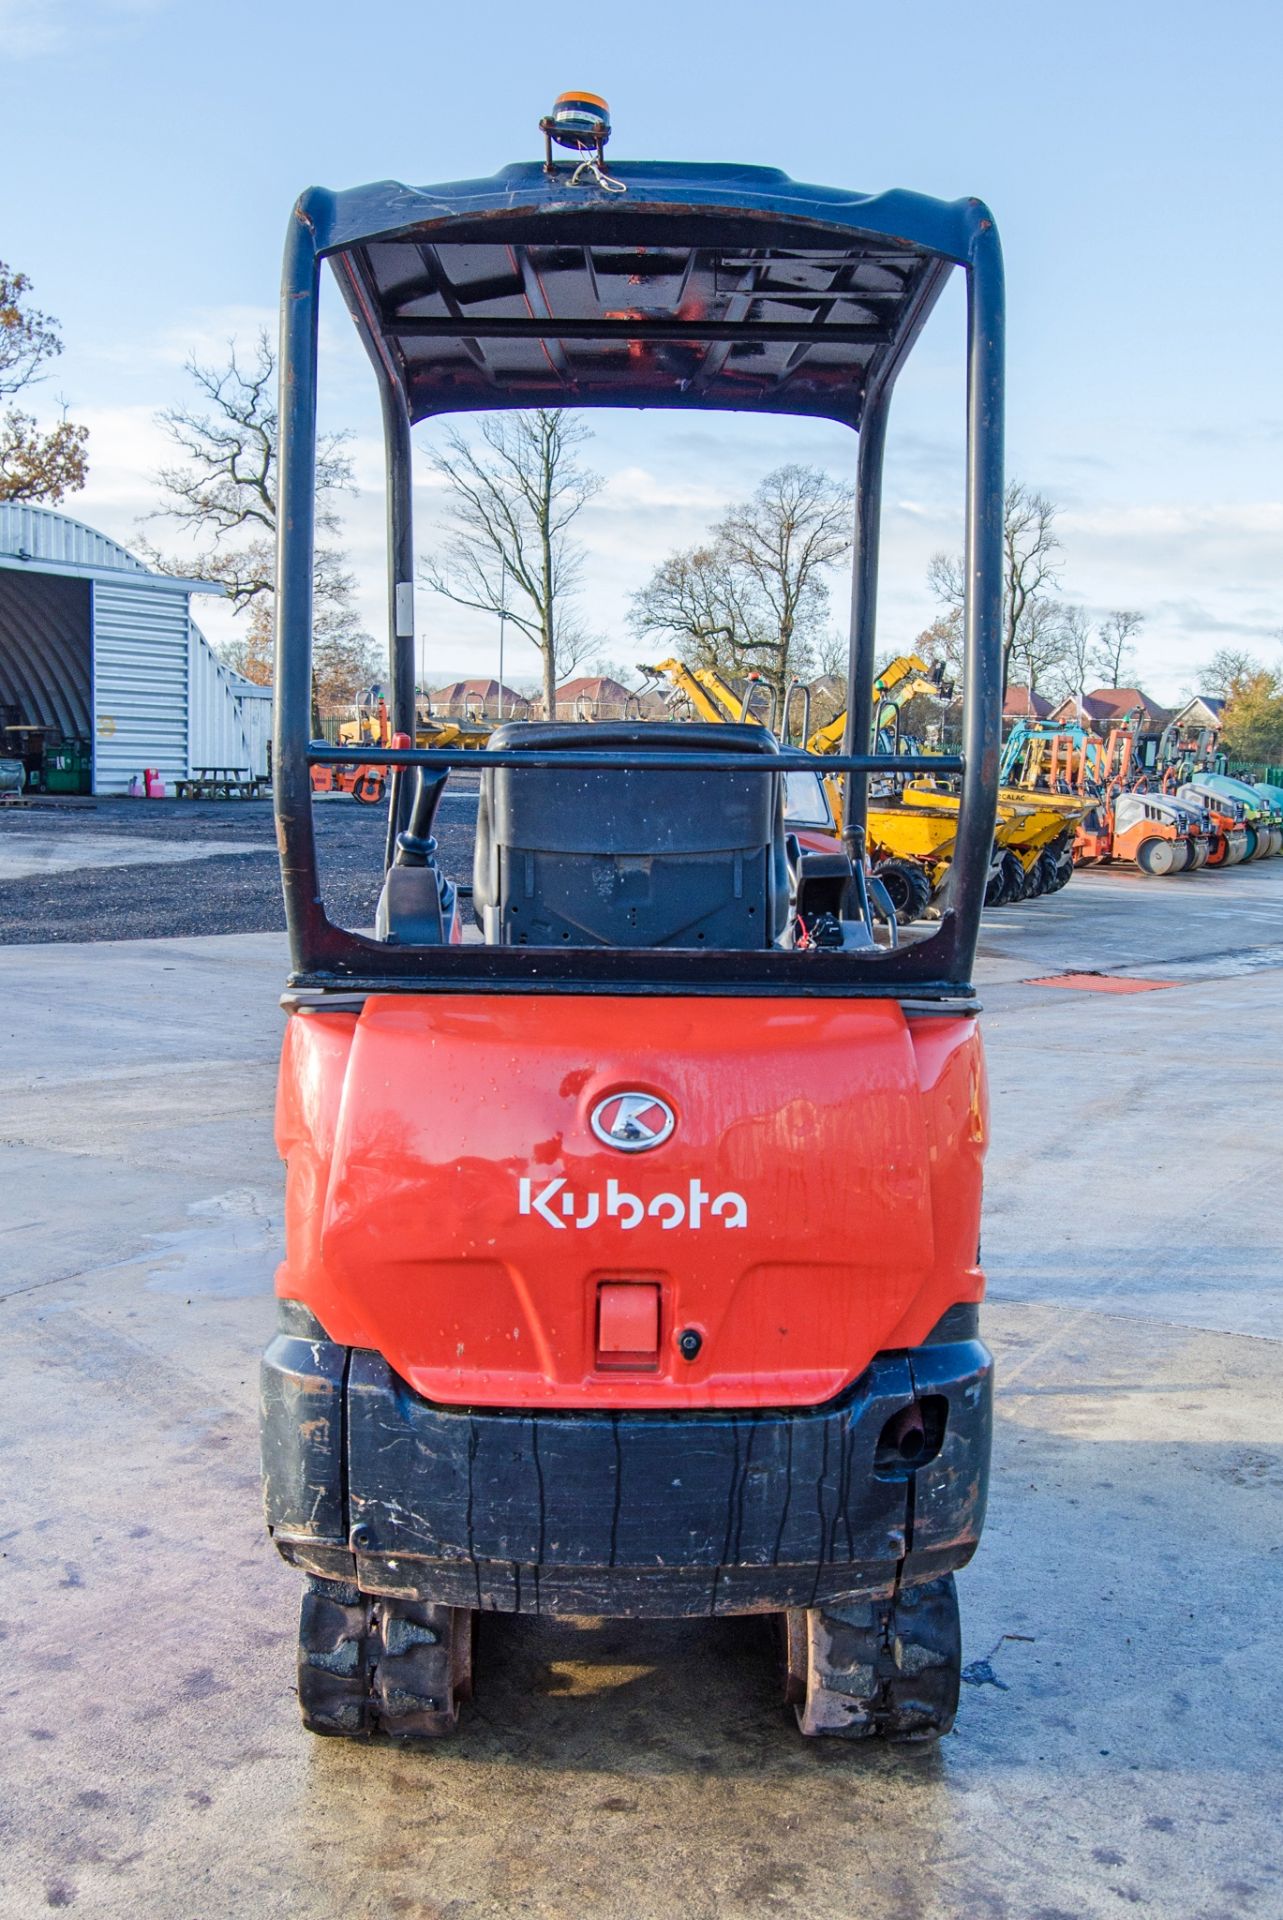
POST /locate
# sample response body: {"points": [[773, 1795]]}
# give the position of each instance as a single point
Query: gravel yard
{"points": [[124, 894]]}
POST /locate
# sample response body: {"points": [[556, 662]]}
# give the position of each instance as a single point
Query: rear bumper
{"points": [[622, 1514]]}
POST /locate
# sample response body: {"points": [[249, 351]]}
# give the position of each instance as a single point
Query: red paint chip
{"points": [[1101, 983]]}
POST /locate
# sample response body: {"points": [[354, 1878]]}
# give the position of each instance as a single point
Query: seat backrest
{"points": [[631, 856]]}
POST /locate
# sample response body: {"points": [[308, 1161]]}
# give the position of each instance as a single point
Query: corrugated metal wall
{"points": [[140, 682], [256, 712], [229, 719]]}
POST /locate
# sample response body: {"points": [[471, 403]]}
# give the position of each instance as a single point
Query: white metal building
{"points": [[95, 646]]}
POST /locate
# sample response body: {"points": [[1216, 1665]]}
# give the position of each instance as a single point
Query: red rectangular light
{"points": [[627, 1324]]}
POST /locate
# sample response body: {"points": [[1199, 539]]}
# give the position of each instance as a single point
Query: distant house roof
{"points": [[1105, 704], [1022, 703], [482, 690], [1205, 709], [598, 688]]}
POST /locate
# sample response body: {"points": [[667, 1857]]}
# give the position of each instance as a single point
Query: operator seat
{"points": [[631, 856]]}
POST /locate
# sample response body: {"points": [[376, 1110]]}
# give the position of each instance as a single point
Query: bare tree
{"points": [[345, 658], [1038, 646], [755, 596], [1229, 669], [33, 465], [1070, 673], [1114, 648], [516, 490], [781, 543], [832, 654], [695, 598], [223, 491], [942, 640], [1030, 547]]}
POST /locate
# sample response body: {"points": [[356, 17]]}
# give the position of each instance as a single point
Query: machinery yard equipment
{"points": [[1260, 809], [1122, 821], [371, 727], [1272, 799], [907, 853], [632, 1248], [1032, 840], [1233, 839]]}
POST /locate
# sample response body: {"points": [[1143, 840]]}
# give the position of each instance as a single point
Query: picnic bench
{"points": [[220, 783]]}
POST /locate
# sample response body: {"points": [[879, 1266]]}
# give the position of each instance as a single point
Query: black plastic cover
{"points": [[628, 857]]}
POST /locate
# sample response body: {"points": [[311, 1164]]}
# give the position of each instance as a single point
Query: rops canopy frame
{"points": [[717, 287]]}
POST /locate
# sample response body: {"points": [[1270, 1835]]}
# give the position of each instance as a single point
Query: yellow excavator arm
{"points": [[691, 682], [901, 681], [717, 689]]}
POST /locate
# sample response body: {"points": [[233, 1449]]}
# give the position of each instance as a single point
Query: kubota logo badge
{"points": [[632, 1121]]}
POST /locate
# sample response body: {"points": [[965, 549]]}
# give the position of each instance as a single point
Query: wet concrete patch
{"points": [[66, 852]]}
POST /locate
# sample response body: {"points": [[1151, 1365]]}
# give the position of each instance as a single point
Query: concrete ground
{"points": [[1118, 1746]]}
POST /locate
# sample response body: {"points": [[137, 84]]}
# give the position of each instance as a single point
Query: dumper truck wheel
{"points": [[1048, 870], [908, 888], [885, 1668], [371, 1665], [1012, 890]]}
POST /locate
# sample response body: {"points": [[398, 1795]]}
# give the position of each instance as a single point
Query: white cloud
{"points": [[637, 489], [31, 28], [1203, 575], [205, 335]]}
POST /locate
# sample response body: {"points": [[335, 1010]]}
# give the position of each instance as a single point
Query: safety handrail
{"points": [[790, 761]]}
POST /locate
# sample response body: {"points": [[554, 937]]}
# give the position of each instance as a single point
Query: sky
{"points": [[1130, 152]]}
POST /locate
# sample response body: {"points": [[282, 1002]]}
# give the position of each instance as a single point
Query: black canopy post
{"points": [[398, 455], [296, 515], [858, 734], [982, 642]]}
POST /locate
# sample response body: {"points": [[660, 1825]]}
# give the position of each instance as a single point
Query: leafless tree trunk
{"points": [[782, 541], [1076, 665], [1114, 649], [1038, 650], [693, 597], [1031, 548], [516, 489], [223, 492], [755, 597]]}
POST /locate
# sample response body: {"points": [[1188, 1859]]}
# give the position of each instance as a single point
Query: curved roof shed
{"points": [[95, 646]]}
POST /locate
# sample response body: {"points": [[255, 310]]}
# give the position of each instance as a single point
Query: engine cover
{"points": [[473, 1183]]}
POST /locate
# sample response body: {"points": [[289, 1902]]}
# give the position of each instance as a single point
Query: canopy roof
{"points": [[717, 286]]}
